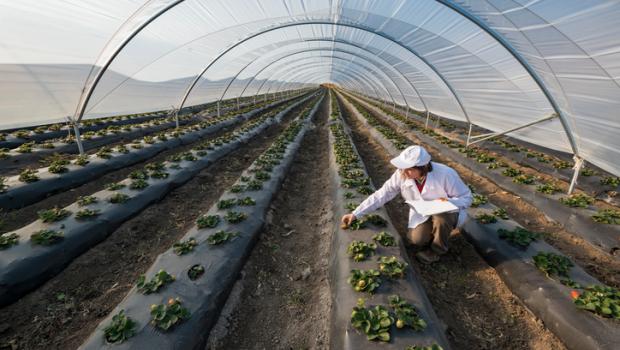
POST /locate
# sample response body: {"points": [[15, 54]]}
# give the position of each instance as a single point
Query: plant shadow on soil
{"points": [[479, 311]]}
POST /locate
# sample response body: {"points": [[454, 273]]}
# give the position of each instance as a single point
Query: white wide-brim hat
{"points": [[410, 157]]}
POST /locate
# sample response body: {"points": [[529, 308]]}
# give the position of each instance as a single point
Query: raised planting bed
{"points": [[19, 191], [547, 282], [206, 262], [577, 214], [25, 265], [377, 300]]}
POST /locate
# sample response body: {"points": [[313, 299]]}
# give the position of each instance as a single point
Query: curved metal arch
{"points": [[516, 55], [314, 50], [311, 22], [359, 75], [344, 43], [340, 58], [354, 55]]}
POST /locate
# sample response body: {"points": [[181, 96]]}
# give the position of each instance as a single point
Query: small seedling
{"points": [[114, 186], [374, 322], [548, 188], [423, 347], [478, 200], [81, 160], [53, 215], [208, 221], [86, 214], [195, 272], [237, 188], [247, 201], [501, 213], [485, 218], [220, 237], [184, 247], [86, 200], [607, 216], [28, 176], [601, 300], [8, 240], [406, 314], [524, 179], [165, 317], [392, 267], [519, 236], [118, 198], [553, 264], [360, 251], [226, 203], [511, 172], [235, 217], [158, 281], [578, 200], [364, 280], [385, 239], [46, 237], [120, 329]]}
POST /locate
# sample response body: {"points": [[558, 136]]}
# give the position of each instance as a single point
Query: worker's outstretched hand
{"points": [[347, 220]]}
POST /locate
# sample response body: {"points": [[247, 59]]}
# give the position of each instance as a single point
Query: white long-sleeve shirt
{"points": [[442, 182]]}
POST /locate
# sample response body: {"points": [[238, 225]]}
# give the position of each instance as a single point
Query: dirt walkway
{"points": [[283, 301], [466, 293], [65, 310]]}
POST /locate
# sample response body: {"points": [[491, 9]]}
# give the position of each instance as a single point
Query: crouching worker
{"points": [[417, 178]]}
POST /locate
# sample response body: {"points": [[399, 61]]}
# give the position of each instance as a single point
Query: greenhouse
{"points": [[310, 174]]}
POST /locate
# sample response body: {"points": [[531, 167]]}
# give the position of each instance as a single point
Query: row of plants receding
{"points": [[375, 322], [166, 316], [60, 164], [612, 182], [600, 299], [576, 200], [137, 181]]}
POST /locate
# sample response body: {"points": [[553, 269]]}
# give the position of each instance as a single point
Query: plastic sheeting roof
{"points": [[496, 63]]}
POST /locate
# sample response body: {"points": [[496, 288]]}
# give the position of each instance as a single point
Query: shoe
{"points": [[427, 256]]}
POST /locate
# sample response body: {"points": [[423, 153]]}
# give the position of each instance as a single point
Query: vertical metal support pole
{"points": [[407, 111], [577, 168], [78, 137], [393, 107], [428, 115], [218, 108], [437, 122], [176, 119], [238, 104], [254, 98], [468, 135]]}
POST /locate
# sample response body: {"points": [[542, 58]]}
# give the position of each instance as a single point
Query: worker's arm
{"points": [[387, 192]]}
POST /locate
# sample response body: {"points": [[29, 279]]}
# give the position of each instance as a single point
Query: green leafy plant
{"points": [[364, 280], [208, 221], [478, 200], [166, 316], [58, 166], [118, 198], [138, 175], [587, 172], [138, 184], [552, 264], [159, 280], [376, 219], [607, 216], [25, 147], [220, 237], [8, 240], [392, 267], [501, 213], [86, 214], [561, 164], [524, 179], [53, 215], [184, 247], [86, 200], [226, 203], [365, 190], [120, 329], [3, 185], [360, 250], [81, 160], [548, 188], [485, 218], [511, 172], [423, 347], [601, 300], [247, 201], [519, 236], [406, 314], [349, 195], [374, 322], [46, 237], [114, 186], [195, 272], [610, 181], [237, 188], [235, 217], [385, 239], [28, 175], [577, 200]]}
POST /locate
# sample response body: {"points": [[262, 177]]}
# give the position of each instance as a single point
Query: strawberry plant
{"points": [[118, 198], [351, 206], [511, 172], [46, 237], [138, 175], [485, 218], [8, 239], [28, 175], [501, 213], [120, 329], [208, 221], [104, 153], [86, 200], [406, 314], [364, 280], [158, 281], [561, 164], [485, 158], [519, 236], [478, 200], [122, 149], [601, 300], [376, 220], [138, 184], [220, 237], [165, 317], [578, 200], [349, 195], [610, 181], [237, 188], [360, 250], [247, 201], [607, 216], [195, 272], [261, 175], [587, 172], [524, 179], [374, 322], [58, 166], [114, 186], [422, 347], [226, 203], [81, 160], [53, 215], [392, 267], [184, 247], [254, 185], [234, 217], [497, 165], [552, 264], [365, 190], [548, 188], [385, 239], [25, 147], [3, 185], [86, 214]]}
